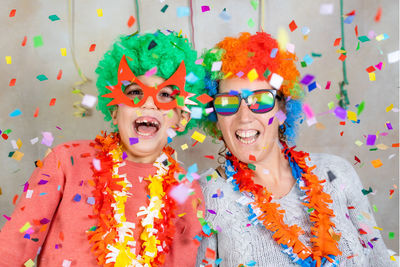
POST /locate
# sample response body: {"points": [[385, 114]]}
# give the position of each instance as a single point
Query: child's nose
{"points": [[149, 103]]}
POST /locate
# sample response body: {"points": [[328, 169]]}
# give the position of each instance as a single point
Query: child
{"points": [[115, 200]]}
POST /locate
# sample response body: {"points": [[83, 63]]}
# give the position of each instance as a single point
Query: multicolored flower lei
{"points": [[324, 248], [113, 241]]}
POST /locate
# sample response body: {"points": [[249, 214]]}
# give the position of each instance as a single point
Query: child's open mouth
{"points": [[146, 126]]}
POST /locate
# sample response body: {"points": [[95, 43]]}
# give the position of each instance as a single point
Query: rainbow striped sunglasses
{"points": [[258, 101]]}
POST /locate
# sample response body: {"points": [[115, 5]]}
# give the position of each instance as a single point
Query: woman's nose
{"points": [[244, 113]]}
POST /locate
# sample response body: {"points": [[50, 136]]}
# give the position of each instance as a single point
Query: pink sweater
{"points": [[60, 220]]}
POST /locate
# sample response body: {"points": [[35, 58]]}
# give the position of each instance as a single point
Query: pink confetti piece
{"points": [[180, 193], [308, 111], [151, 72]]}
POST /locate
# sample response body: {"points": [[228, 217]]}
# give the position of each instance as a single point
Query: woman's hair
{"points": [[258, 53], [166, 51]]}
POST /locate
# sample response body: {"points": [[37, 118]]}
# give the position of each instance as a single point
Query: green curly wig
{"points": [[166, 51]]}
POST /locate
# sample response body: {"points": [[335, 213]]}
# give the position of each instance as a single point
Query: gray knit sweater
{"points": [[237, 242]]}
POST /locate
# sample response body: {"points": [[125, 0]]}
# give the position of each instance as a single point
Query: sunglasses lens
{"points": [[261, 102], [226, 104]]}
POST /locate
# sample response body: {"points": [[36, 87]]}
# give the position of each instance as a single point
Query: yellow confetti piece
{"points": [[380, 37], [382, 146], [358, 143], [182, 214], [199, 214], [99, 12], [63, 52], [25, 227], [351, 115], [214, 175], [392, 258], [389, 108], [283, 38], [340, 51], [378, 228], [252, 75], [184, 146], [19, 143], [8, 59], [372, 76], [138, 113], [376, 163], [17, 155], [198, 137], [331, 105], [227, 75], [29, 263], [183, 122]]}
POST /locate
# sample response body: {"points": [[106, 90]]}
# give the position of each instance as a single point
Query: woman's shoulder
{"points": [[212, 178]]}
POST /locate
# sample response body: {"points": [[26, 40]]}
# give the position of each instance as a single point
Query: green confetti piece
{"points": [[303, 64], [11, 154], [136, 100], [358, 46], [360, 108], [251, 166], [310, 209], [35, 239], [363, 39], [72, 160], [251, 23], [54, 17], [374, 208], [164, 8], [254, 4], [93, 228], [37, 41], [41, 77], [7, 131], [267, 73], [209, 177], [331, 105], [316, 55], [338, 96], [373, 149], [180, 101], [181, 176], [391, 235]]}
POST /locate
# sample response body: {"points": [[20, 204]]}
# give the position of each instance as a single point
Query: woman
{"points": [[272, 205]]}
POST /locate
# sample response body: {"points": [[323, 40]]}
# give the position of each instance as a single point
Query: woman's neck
{"points": [[274, 172]]}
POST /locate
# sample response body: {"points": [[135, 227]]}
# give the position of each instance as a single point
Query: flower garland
{"points": [[112, 238], [324, 247]]}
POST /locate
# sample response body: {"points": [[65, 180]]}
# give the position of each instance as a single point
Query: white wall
{"points": [[31, 19]]}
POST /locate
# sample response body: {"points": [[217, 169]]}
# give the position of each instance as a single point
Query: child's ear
{"points": [[183, 121], [114, 116]]}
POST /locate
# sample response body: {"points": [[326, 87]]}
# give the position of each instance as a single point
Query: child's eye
{"points": [[166, 95], [134, 92]]}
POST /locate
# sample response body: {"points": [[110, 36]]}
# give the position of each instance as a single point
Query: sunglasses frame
{"points": [[274, 93]]}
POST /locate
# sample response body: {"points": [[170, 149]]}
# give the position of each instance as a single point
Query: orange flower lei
{"points": [[325, 247], [112, 238]]}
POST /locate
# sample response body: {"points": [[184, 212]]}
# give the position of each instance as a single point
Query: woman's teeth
{"points": [[247, 136]]}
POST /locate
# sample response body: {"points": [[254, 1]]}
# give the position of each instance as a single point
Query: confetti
{"points": [[52, 102], [184, 146], [12, 13], [393, 56], [54, 18], [8, 60], [12, 82], [326, 9], [37, 41], [77, 198], [337, 42], [224, 15], [23, 43], [276, 81], [251, 23], [182, 11], [205, 8], [41, 77], [376, 163], [131, 21], [29, 263], [133, 140], [15, 113], [99, 12], [59, 75], [292, 26], [164, 8], [92, 47], [252, 75]]}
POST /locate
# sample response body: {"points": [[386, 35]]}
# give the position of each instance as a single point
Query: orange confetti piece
{"points": [[342, 57], [59, 75], [24, 41], [15, 199], [292, 26], [252, 158], [356, 30], [12, 82], [92, 47], [61, 236], [337, 42], [378, 14], [12, 13], [376, 163], [131, 21], [36, 113], [204, 98], [210, 254], [52, 102], [39, 163], [396, 145]]}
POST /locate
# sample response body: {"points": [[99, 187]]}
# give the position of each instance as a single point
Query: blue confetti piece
{"points": [[233, 92], [206, 229], [198, 238], [124, 155], [224, 15], [27, 236], [77, 198], [58, 188], [169, 139], [274, 51], [349, 19], [192, 168], [191, 78], [196, 112], [182, 11], [54, 17], [218, 261], [312, 86], [251, 263], [308, 59], [246, 93], [90, 200], [15, 113]]}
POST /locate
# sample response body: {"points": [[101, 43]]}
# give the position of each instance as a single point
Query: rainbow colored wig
{"points": [[258, 53], [166, 51]]}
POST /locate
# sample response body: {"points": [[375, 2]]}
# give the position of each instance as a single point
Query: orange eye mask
{"points": [[142, 91]]}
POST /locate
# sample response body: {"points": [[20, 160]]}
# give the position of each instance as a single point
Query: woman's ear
{"points": [[184, 119], [114, 116]]}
